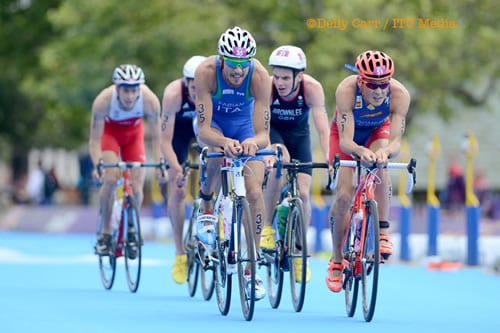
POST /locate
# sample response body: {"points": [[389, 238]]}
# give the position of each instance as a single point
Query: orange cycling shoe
{"points": [[385, 246], [334, 282]]}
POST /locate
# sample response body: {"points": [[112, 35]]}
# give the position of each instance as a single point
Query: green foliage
{"points": [[55, 69]]}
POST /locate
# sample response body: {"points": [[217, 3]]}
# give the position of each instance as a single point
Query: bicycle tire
{"points": [[274, 262], [222, 280], [297, 247], [190, 248], [370, 260], [351, 283], [246, 256], [107, 266], [133, 250]]}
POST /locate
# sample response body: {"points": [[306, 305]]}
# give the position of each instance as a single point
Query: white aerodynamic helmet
{"points": [[237, 43], [191, 65], [128, 75], [288, 56]]}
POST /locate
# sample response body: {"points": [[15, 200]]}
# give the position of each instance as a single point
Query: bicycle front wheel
{"points": [[190, 248], [297, 253], [351, 281], [246, 257], [107, 267], [274, 262], [223, 280], [370, 260], [133, 245]]}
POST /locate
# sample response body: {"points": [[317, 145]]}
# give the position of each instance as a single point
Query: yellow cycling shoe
{"points": [[267, 238], [179, 270], [297, 268]]}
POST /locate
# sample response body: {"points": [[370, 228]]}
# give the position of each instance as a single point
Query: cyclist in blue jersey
{"points": [[295, 95], [369, 122], [233, 92], [177, 134]]}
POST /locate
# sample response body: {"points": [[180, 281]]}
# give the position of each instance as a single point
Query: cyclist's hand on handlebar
{"points": [[382, 157], [269, 161], [249, 147], [96, 176], [367, 157], [232, 148]]}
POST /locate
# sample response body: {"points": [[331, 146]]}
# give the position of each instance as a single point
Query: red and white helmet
{"points": [[128, 75], [288, 56], [237, 43]]}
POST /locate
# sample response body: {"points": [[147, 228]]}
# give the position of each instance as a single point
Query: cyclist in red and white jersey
{"points": [[116, 132], [369, 121]]}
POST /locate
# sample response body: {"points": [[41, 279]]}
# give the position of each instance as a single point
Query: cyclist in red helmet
{"points": [[369, 121]]}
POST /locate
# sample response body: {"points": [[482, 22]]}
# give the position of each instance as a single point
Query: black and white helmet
{"points": [[128, 75], [237, 43]]}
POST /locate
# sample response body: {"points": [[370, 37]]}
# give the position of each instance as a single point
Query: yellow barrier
{"points": [[471, 149], [434, 151]]}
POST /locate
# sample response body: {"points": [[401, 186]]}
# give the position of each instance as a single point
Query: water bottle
{"points": [[116, 214], [282, 212], [357, 220], [226, 216]]}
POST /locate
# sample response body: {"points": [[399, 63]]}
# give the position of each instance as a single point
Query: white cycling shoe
{"points": [[260, 291]]}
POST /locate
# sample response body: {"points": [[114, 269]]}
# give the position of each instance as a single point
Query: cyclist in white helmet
{"points": [[177, 135], [116, 132], [295, 95], [233, 92]]}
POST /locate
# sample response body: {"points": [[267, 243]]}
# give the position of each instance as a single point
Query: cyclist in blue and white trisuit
{"points": [[178, 111], [233, 92], [295, 96]]}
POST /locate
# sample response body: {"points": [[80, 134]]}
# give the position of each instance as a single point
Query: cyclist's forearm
{"points": [[95, 151], [212, 138]]}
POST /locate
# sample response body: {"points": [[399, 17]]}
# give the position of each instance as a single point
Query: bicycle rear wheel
{"points": [[274, 271], [246, 256], [222, 280], [133, 245], [351, 282], [370, 260], [297, 253]]}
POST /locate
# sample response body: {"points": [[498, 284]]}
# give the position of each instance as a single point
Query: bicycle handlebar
{"points": [[204, 155], [133, 165], [410, 167]]}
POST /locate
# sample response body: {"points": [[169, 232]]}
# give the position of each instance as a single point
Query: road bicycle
{"points": [[361, 243], [194, 252], [291, 239], [234, 249], [125, 224]]}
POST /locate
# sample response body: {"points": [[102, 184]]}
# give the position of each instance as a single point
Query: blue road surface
{"points": [[50, 283]]}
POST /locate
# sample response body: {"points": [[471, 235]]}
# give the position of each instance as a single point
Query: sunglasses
{"points": [[374, 86], [234, 63]]}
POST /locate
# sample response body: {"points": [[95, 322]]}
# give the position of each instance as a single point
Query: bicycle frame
{"points": [[130, 249], [360, 263], [291, 247], [236, 247]]}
